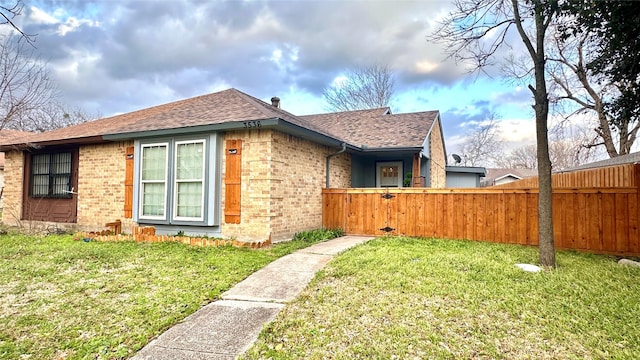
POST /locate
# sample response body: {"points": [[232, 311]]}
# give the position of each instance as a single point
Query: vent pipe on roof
{"points": [[275, 101]]}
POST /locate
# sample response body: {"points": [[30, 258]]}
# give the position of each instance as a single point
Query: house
{"points": [[632, 158], [464, 176], [502, 176], [223, 164]]}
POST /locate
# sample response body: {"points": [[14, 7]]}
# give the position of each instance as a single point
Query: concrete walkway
{"points": [[227, 328]]}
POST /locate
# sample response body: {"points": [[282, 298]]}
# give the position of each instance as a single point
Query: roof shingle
{"points": [[375, 128]]}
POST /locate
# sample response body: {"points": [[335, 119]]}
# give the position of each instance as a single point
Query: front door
{"points": [[389, 174]]}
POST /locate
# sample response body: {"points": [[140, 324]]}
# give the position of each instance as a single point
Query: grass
{"points": [[65, 299], [409, 298]]}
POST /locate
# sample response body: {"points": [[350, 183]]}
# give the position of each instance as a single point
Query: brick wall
{"points": [[300, 167], [438, 162], [101, 174], [12, 194], [282, 181], [100, 188], [255, 202]]}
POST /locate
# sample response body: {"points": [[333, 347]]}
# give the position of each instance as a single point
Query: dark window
{"points": [[51, 175]]}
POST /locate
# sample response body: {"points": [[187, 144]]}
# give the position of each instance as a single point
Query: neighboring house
{"points": [[632, 158], [464, 176], [6, 136], [503, 176], [224, 164]]}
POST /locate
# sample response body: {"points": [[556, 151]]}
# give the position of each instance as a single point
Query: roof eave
{"points": [[366, 149], [97, 139], [226, 126], [272, 123], [467, 169]]}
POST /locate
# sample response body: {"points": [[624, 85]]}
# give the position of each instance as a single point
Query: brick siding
{"points": [[100, 188], [282, 181], [101, 174], [12, 194]]}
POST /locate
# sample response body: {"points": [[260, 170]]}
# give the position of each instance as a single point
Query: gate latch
{"points": [[387, 196]]}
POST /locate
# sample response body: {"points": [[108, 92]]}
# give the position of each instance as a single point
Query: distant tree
{"points": [[52, 116], [473, 32], [364, 87], [25, 85], [28, 96], [482, 143], [524, 157], [565, 151]]}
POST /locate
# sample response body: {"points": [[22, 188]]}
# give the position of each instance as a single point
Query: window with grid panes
{"points": [[51, 175]]}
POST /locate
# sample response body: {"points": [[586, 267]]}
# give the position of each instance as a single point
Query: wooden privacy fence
{"points": [[600, 220], [625, 175]]}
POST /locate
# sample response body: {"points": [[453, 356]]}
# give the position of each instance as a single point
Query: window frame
{"points": [[52, 176], [142, 182], [212, 163], [202, 180]]}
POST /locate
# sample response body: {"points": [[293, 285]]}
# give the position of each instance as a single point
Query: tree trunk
{"points": [[541, 106]]}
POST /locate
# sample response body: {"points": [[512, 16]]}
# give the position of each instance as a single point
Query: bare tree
{"points": [[25, 86], [566, 150], [589, 93], [364, 87], [8, 13], [524, 157], [482, 143], [52, 116], [474, 32]]}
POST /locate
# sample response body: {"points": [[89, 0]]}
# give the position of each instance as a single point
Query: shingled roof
{"points": [[6, 135], [374, 128], [377, 128]]}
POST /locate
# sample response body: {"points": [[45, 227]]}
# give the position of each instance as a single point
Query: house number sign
{"points": [[252, 124]]}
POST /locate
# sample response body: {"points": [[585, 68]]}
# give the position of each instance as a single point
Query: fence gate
{"points": [[372, 212]]}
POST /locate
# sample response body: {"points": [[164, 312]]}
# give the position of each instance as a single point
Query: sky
{"points": [[112, 57]]}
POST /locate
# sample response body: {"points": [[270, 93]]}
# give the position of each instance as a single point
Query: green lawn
{"points": [[66, 299], [408, 298]]}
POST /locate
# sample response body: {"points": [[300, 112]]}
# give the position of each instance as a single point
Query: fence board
{"points": [[602, 220], [622, 223], [612, 176]]}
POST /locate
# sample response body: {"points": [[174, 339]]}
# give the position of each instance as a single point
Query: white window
{"points": [[188, 200], [153, 181], [389, 174]]}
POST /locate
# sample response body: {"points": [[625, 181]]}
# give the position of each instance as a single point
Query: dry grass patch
{"points": [[424, 298]]}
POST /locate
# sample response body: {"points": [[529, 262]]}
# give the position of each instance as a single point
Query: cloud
{"points": [[117, 56]]}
